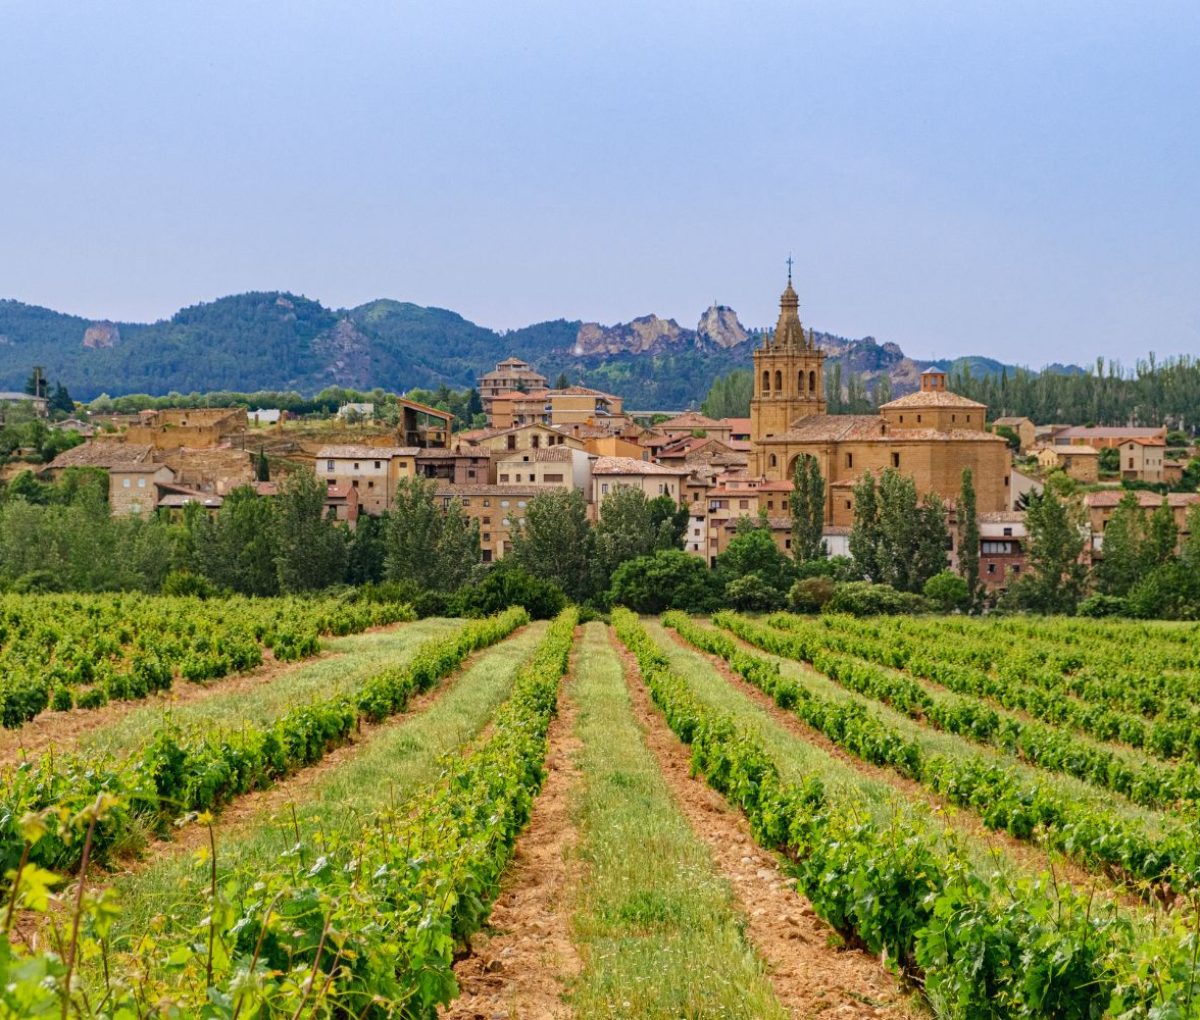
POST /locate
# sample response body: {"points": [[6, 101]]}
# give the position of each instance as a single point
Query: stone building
{"points": [[930, 435], [511, 374]]}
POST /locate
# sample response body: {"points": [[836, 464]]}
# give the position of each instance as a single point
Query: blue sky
{"points": [[1016, 179]]}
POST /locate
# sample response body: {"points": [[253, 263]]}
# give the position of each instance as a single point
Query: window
{"points": [[141, 483], [1016, 568], [774, 460], [552, 478], [471, 473], [355, 484], [901, 419], [487, 502], [504, 504], [487, 521], [356, 465], [604, 488], [918, 419], [371, 485], [895, 460], [487, 555], [126, 482], [778, 380], [466, 500], [968, 417], [787, 543], [506, 522], [1008, 531], [743, 504], [520, 504], [849, 504], [812, 382], [991, 568], [518, 478], [849, 460], [766, 381], [953, 417], [329, 465], [503, 478], [377, 465]]}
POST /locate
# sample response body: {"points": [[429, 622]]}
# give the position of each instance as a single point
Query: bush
{"points": [[37, 581], [947, 591], [862, 598], [506, 586], [840, 568], [670, 579], [810, 594], [753, 594], [182, 582], [1103, 605]]}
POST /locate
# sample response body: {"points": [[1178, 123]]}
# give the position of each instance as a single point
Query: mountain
{"points": [[271, 340]]}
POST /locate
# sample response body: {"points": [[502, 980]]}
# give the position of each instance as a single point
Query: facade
{"points": [[1003, 538], [612, 473], [1142, 459], [931, 435], [508, 375], [192, 427], [691, 422], [1024, 428], [1107, 437], [496, 509], [1100, 507], [423, 426], [133, 488], [11, 398], [520, 437], [1079, 462], [373, 470], [575, 405], [558, 467]]}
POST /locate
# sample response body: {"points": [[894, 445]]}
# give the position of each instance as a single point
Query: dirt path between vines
{"points": [[520, 965], [811, 977], [63, 730], [1031, 859]]}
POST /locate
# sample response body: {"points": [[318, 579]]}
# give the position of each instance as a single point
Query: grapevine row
{"points": [[176, 774], [1032, 949]]}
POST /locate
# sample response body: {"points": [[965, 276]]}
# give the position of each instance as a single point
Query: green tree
{"points": [[865, 534], [310, 552], [752, 550], [807, 504], [1121, 564], [669, 579], [562, 382], [669, 521], [729, 395], [366, 550], [625, 530], [968, 536], [947, 591], [430, 547], [1056, 540], [237, 548], [555, 541], [1162, 536]]}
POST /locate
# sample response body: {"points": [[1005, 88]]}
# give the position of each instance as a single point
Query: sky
{"points": [[1016, 179]]}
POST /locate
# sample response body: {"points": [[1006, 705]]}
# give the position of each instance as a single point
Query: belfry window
{"points": [[766, 381]]}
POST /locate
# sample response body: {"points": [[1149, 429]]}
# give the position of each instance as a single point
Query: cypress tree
{"points": [[968, 535]]}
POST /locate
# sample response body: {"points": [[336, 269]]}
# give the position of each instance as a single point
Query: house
{"points": [[741, 496], [133, 488], [423, 426], [693, 422], [192, 427], [1079, 462], [216, 471], [1024, 428], [1100, 507], [84, 428], [553, 467], [575, 405], [508, 375], [342, 502], [520, 437], [1107, 437], [373, 470], [467, 466], [1003, 544], [1142, 458], [10, 398], [739, 429], [498, 510], [100, 453], [612, 473]]}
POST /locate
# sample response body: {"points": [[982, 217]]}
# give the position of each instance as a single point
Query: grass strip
{"points": [[656, 924]]}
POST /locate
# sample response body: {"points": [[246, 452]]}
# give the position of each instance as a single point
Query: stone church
{"points": [[931, 435]]}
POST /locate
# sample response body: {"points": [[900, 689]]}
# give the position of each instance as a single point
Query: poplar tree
{"points": [[864, 534], [807, 505], [431, 547], [968, 536]]}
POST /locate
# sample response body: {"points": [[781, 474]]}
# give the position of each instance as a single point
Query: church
{"points": [[931, 435]]}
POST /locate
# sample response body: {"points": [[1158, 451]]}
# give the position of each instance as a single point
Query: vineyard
{"points": [[251, 808]]}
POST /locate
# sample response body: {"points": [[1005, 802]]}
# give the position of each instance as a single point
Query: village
{"points": [[539, 438]]}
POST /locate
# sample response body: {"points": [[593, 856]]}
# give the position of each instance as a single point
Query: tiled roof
{"points": [[930, 398], [738, 425], [833, 428], [104, 454], [1110, 432], [1002, 517], [689, 420], [365, 452], [549, 453], [1009, 420], [1108, 498], [630, 466]]}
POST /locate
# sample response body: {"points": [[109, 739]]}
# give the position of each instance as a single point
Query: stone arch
{"points": [[812, 381], [773, 460], [778, 380], [766, 386]]}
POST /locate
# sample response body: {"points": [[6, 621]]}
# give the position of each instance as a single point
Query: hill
{"points": [[282, 341]]}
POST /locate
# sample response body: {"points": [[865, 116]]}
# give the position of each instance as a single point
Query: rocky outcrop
{"points": [[647, 335], [719, 327], [346, 353], [100, 335]]}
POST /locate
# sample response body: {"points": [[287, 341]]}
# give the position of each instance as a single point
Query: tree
{"points": [[507, 584], [366, 550], [930, 542], [37, 384], [60, 401], [865, 531], [752, 550], [807, 504], [729, 395], [669, 520], [968, 536], [310, 551], [947, 591], [1056, 541], [1121, 566], [562, 382], [625, 530], [555, 541], [669, 579], [237, 548], [1162, 536], [430, 547]]}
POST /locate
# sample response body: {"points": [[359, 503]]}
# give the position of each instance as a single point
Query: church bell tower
{"points": [[789, 373]]}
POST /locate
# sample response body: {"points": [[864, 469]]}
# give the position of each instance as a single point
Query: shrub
{"points": [[862, 598], [810, 594], [750, 592], [183, 582], [506, 586], [1103, 605], [670, 579], [947, 591]]}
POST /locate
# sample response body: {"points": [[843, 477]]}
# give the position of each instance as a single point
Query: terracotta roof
{"points": [[1010, 420], [425, 408], [103, 454], [1002, 517], [339, 490], [689, 420], [1109, 498], [930, 398], [737, 424], [1107, 432], [365, 452], [1075, 451], [630, 466], [1146, 440], [740, 445], [833, 427]]}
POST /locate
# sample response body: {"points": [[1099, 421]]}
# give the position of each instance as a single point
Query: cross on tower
{"points": [[789, 265]]}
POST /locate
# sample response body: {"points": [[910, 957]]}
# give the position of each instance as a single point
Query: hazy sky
{"points": [[1010, 178]]}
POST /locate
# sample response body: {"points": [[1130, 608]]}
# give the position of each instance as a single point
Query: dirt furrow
{"points": [[811, 975], [521, 963]]}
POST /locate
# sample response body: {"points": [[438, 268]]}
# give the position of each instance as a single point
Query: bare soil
{"points": [[811, 973], [521, 964]]}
